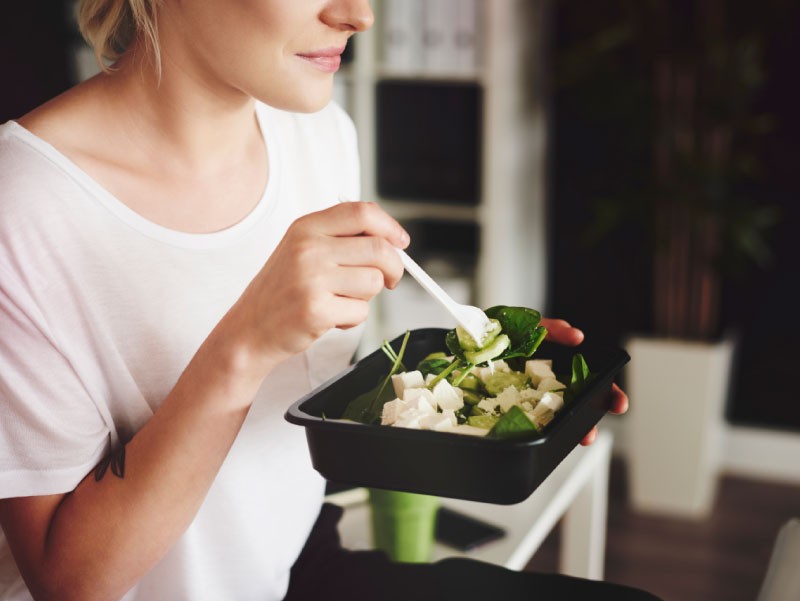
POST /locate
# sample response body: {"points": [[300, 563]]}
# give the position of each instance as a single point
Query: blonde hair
{"points": [[111, 26]]}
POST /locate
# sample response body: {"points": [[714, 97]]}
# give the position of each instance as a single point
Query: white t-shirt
{"points": [[101, 310]]}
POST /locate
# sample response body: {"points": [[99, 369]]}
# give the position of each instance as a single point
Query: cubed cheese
{"points": [[391, 411], [488, 405], [548, 384], [483, 372], [438, 421], [411, 395], [552, 401], [538, 369], [410, 418], [447, 397], [531, 395], [422, 404], [470, 430], [407, 379], [508, 398]]}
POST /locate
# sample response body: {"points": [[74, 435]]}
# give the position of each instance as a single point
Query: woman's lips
{"points": [[327, 60]]}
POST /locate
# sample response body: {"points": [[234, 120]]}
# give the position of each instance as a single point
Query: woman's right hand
{"points": [[322, 275]]}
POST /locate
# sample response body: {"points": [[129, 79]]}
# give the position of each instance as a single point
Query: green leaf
{"points": [[366, 408], [513, 424], [522, 327], [432, 366]]}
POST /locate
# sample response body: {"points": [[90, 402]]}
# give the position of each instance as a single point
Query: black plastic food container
{"points": [[440, 463]]}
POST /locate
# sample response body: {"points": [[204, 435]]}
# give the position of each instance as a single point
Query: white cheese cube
{"points": [[407, 379], [530, 395], [411, 395], [538, 369], [552, 401], [484, 372], [470, 430], [410, 418], [429, 378], [438, 421], [508, 398], [447, 397], [548, 384], [488, 405], [422, 404], [391, 411], [526, 406]]}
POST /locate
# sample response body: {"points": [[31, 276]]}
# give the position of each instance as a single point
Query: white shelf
{"points": [[511, 208]]}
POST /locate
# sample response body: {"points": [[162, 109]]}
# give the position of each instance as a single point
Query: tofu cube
{"points": [[447, 397], [413, 396], [392, 411], [407, 379], [508, 398], [539, 369], [552, 401], [489, 405], [438, 421], [470, 430], [548, 384], [422, 404]]}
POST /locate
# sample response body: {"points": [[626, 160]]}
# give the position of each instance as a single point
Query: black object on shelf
{"points": [[441, 463], [429, 141]]}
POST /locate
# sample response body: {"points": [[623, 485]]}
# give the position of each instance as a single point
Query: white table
{"points": [[577, 490]]}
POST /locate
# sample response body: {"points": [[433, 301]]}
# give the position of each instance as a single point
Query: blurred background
{"points": [[628, 165]]}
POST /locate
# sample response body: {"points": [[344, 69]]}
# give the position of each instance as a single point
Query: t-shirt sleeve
{"points": [[51, 433]]}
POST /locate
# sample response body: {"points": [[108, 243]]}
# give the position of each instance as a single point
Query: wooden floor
{"points": [[723, 558]]}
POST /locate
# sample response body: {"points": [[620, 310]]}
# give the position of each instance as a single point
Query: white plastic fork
{"points": [[472, 319]]}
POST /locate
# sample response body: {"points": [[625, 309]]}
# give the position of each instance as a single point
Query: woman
{"points": [[173, 274]]}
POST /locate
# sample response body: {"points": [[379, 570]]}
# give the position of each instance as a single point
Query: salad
{"points": [[492, 388]]}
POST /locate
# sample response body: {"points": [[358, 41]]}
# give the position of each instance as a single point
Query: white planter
{"points": [[678, 391]]}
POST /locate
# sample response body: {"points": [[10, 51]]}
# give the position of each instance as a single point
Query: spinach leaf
{"points": [[513, 424], [434, 366], [366, 408], [522, 327]]}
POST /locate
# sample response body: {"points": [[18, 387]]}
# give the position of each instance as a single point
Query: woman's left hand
{"points": [[561, 332]]}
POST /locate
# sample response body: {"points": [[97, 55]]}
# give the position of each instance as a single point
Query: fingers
{"points": [[362, 219], [619, 400], [590, 437], [562, 332], [368, 251]]}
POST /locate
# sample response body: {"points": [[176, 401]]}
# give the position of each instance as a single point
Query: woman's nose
{"points": [[349, 15]]}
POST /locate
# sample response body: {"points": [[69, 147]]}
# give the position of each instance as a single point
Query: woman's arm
{"points": [[97, 541]]}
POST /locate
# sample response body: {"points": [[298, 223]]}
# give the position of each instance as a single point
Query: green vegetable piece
{"points": [[492, 351], [433, 365], [513, 424], [471, 397], [470, 382], [500, 380], [486, 422], [468, 343], [366, 408], [522, 327]]}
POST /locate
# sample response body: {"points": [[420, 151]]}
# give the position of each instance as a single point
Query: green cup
{"points": [[403, 524]]}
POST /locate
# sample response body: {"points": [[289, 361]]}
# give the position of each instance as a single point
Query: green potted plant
{"points": [[702, 71]]}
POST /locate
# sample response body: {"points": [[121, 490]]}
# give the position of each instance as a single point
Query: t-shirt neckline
{"points": [[151, 229]]}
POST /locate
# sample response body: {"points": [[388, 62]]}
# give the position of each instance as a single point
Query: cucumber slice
{"points": [[483, 421], [489, 352], [468, 343], [471, 397]]}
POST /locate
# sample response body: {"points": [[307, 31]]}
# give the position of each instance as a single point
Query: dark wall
{"points": [[602, 148], [34, 55]]}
